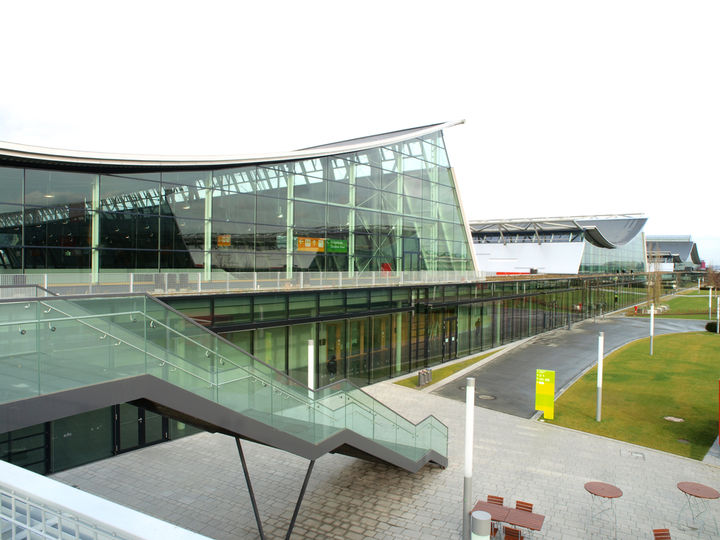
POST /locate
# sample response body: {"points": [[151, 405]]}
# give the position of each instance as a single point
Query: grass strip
{"points": [[438, 374], [680, 380]]}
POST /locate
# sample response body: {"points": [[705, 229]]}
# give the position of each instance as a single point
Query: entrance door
{"points": [[449, 340], [135, 427]]}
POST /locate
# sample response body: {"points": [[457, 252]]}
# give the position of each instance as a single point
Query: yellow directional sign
{"points": [[545, 392]]}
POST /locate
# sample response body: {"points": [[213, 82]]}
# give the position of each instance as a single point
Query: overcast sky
{"points": [[571, 107]]}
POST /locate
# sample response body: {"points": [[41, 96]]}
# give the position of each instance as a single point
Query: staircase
{"points": [[66, 355]]}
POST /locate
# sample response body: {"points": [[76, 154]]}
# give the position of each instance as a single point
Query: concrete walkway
{"points": [[507, 384], [197, 482]]}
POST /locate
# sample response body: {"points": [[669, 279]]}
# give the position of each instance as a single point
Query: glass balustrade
{"points": [[60, 343]]}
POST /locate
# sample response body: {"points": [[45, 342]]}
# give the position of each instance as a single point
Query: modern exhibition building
{"points": [[561, 245], [673, 254], [148, 297]]}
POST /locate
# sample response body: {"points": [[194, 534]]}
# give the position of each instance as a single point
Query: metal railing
{"points": [[197, 282], [33, 506]]}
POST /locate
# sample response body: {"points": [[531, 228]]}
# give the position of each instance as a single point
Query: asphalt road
{"points": [[507, 384]]}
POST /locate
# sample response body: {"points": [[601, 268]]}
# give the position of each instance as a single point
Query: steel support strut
{"points": [[250, 489], [252, 493], [300, 499]]}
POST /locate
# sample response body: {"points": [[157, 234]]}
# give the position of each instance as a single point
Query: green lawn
{"points": [[685, 307], [639, 390], [440, 373]]}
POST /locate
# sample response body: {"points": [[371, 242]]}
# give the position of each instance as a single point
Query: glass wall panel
{"points": [[358, 338], [81, 438], [299, 335], [381, 348], [303, 305], [270, 308], [331, 351], [11, 180], [243, 339], [270, 346], [233, 310]]}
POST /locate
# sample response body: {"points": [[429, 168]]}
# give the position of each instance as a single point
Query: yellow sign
{"points": [[305, 243], [545, 392]]}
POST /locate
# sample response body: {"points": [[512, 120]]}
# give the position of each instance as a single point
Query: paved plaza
{"points": [[197, 482]]}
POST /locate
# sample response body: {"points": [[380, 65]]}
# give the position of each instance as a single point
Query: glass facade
{"points": [[363, 335], [393, 207], [368, 335], [628, 258]]}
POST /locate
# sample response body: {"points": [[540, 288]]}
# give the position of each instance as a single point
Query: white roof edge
{"points": [[22, 151], [560, 218]]}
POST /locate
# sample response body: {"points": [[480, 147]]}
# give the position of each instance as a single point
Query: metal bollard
{"points": [[429, 375], [480, 525]]}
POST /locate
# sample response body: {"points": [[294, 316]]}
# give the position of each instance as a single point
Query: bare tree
{"points": [[654, 288]]}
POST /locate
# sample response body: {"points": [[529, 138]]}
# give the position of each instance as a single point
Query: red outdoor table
{"points": [[696, 497], [496, 511], [525, 519], [603, 496], [601, 489]]}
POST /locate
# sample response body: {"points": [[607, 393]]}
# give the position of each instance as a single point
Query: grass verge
{"points": [[441, 373], [680, 380], [683, 307]]}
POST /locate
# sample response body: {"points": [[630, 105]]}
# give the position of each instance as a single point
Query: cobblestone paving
{"points": [[197, 482]]}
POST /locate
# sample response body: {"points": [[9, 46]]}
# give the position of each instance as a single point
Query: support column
{"points": [[398, 343], [207, 228], [399, 211], [289, 231], [95, 230], [351, 220]]}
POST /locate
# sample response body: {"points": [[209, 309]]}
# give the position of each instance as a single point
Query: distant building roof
{"points": [[679, 248], [607, 231]]}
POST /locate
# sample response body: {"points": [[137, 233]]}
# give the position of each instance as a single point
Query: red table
{"points": [[496, 511], [525, 519], [511, 516], [601, 493], [696, 496]]}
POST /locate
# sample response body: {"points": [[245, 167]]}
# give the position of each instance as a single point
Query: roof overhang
{"points": [[20, 154], [607, 231]]}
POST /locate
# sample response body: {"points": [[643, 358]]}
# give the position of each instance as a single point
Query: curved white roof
{"points": [[69, 158], [607, 231]]}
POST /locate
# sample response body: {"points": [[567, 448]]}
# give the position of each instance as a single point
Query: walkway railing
{"points": [[33, 506], [197, 282], [59, 343]]}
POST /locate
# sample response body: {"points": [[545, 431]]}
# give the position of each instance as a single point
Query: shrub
{"points": [[711, 326]]}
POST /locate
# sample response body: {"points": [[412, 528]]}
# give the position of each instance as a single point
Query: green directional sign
{"points": [[335, 245], [545, 392]]}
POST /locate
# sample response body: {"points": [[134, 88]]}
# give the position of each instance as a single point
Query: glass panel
{"points": [[233, 310], [358, 348], [129, 427], [68, 192], [332, 302], [303, 305], [381, 348], [270, 308], [229, 206], [12, 182], [81, 439], [271, 211], [299, 336], [331, 349], [270, 346]]}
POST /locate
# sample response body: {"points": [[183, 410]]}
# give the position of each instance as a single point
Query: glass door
{"points": [[135, 427], [449, 341]]}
